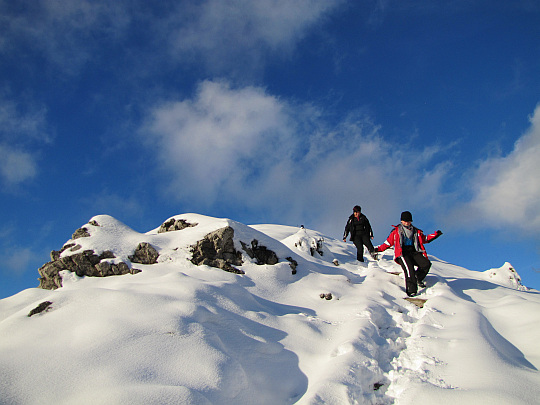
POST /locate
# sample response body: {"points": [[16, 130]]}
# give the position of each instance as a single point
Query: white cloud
{"points": [[18, 259], [16, 166], [507, 189], [222, 138], [21, 127], [226, 34], [22, 122], [248, 149], [62, 31], [221, 34]]}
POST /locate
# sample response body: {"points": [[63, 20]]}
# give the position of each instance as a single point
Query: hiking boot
{"points": [[421, 284]]}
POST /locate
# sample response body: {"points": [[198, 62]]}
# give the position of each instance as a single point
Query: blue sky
{"points": [[285, 112]]}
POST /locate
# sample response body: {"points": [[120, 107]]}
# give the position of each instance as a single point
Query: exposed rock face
{"points": [[260, 253], [217, 250], [144, 254], [86, 263], [174, 225], [80, 233]]}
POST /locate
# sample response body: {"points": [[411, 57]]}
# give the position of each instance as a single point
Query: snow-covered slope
{"points": [[179, 333]]}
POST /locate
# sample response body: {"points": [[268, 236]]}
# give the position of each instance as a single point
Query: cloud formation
{"points": [[224, 34], [246, 148], [64, 32], [507, 189], [20, 129], [16, 166], [219, 35]]}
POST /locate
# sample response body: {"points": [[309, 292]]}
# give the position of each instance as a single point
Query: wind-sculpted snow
{"points": [[181, 333]]}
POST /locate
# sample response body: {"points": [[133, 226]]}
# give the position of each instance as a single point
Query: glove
{"points": [[439, 233]]}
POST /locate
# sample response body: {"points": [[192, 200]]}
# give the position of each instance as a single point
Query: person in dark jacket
{"points": [[409, 252], [361, 233]]}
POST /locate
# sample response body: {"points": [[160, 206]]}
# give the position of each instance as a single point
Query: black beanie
{"points": [[357, 208], [406, 216]]}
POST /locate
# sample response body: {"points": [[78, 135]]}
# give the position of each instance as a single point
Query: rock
{"points": [[106, 255], [144, 254], [293, 263], [50, 279], [260, 253], [82, 263], [327, 296], [174, 225], [106, 269], [86, 263], [217, 250], [81, 233], [44, 306], [55, 254], [419, 302]]}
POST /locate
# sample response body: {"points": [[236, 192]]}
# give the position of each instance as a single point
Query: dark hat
{"points": [[357, 208], [406, 216]]}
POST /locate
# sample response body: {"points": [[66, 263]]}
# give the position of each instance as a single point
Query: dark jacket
{"points": [[357, 227]]}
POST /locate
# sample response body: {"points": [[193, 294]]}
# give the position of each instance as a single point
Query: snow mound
{"points": [[506, 275], [181, 333]]}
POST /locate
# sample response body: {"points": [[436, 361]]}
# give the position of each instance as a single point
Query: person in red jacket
{"points": [[409, 252]]}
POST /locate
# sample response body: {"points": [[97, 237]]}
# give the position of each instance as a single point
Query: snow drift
{"points": [[329, 334]]}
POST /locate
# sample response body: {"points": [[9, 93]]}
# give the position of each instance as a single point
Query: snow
{"points": [[180, 333]]}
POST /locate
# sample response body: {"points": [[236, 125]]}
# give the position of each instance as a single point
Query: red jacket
{"points": [[419, 239]]}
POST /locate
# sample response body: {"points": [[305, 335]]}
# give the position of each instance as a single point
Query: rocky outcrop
{"points": [[174, 225], [86, 263], [80, 233], [217, 250], [261, 254], [144, 254]]}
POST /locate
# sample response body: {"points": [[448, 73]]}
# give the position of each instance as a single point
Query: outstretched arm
{"points": [[389, 242], [432, 236]]}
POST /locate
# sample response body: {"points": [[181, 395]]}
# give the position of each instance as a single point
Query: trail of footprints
{"points": [[396, 357]]}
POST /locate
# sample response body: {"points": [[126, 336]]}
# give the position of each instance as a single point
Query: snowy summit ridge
{"points": [[313, 327]]}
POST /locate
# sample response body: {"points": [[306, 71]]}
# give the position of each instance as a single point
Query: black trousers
{"points": [[360, 241], [409, 261]]}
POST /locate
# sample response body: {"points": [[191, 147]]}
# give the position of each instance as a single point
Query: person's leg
{"points": [[359, 249], [423, 264], [366, 240], [407, 264]]}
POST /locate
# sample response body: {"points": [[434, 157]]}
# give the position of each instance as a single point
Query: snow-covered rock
{"points": [[506, 275]]}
